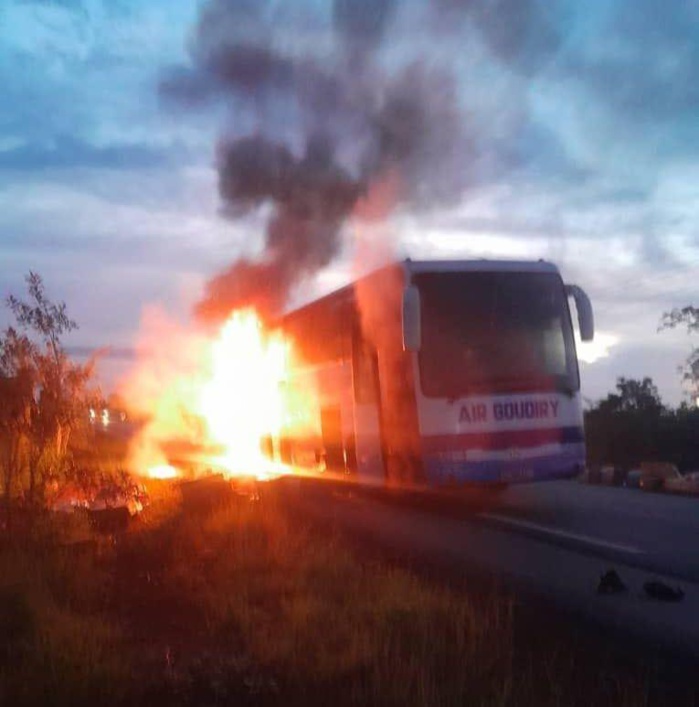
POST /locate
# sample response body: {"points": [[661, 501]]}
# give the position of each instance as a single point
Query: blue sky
{"points": [[582, 146]]}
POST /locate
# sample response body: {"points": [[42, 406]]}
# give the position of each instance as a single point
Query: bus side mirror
{"points": [[586, 319], [412, 329]]}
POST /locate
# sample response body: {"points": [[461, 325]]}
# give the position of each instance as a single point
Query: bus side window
{"points": [[364, 370]]}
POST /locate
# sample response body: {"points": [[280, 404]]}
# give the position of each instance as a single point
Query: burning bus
{"points": [[438, 373]]}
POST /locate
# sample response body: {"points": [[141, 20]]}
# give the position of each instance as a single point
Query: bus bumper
{"points": [[449, 469]]}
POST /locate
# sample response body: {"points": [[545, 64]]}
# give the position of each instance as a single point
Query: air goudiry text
{"points": [[511, 410]]}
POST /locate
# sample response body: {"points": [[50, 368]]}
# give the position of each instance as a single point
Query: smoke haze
{"points": [[350, 120]]}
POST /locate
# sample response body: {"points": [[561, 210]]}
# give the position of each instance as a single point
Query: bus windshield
{"points": [[497, 332]]}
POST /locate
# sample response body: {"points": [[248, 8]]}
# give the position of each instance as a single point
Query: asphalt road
{"points": [[550, 540]]}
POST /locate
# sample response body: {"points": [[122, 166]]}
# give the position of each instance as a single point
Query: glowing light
{"points": [[598, 348], [163, 471], [217, 403], [242, 403]]}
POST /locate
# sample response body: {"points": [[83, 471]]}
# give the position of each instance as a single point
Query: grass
{"points": [[310, 614], [245, 604], [56, 647]]}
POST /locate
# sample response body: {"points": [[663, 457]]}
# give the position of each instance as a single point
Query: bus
{"points": [[440, 374]]}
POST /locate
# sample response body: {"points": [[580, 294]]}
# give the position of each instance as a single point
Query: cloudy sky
{"points": [[572, 135]]}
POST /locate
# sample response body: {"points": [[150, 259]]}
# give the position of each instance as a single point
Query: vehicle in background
{"points": [[657, 475], [440, 373], [633, 479], [687, 483]]}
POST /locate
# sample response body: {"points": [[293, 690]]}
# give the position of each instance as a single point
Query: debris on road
{"points": [[663, 592], [205, 493], [125, 493], [610, 583], [109, 521]]}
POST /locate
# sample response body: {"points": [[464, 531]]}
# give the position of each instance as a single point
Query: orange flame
{"points": [[216, 402], [242, 402]]}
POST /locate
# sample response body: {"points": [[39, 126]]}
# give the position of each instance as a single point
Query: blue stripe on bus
{"points": [[441, 470]]}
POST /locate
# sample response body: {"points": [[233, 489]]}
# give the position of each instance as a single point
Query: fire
{"points": [[162, 471], [216, 403], [242, 402]]}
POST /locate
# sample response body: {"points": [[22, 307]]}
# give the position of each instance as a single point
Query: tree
{"points": [[623, 429], [686, 316], [633, 396], [632, 425], [45, 395], [17, 382]]}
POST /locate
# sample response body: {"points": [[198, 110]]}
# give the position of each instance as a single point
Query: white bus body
{"points": [[441, 373]]}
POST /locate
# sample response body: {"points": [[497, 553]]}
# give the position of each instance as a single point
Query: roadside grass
{"points": [[247, 604], [56, 645], [312, 615]]}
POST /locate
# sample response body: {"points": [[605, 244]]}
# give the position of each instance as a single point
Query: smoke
{"points": [[362, 24], [520, 33], [311, 130], [311, 196]]}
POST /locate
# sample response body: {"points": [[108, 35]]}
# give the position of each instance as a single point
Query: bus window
{"points": [[495, 332]]}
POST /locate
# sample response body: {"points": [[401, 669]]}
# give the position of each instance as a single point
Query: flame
{"points": [[214, 403], [162, 471], [242, 402]]}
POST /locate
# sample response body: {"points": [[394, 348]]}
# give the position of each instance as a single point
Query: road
{"points": [[550, 540], [657, 532]]}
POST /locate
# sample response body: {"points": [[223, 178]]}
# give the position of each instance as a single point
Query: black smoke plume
{"points": [[325, 126], [311, 196]]}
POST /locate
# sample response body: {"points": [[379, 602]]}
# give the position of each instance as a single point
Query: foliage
{"points": [[633, 396], [44, 395], [42, 316], [686, 315], [632, 426], [689, 317]]}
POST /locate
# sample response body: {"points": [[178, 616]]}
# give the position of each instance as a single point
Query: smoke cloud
{"points": [[310, 131]]}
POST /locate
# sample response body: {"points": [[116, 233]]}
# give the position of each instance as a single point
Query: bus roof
{"points": [[425, 266], [482, 265]]}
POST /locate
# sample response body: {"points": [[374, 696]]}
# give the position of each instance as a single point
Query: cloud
{"points": [[580, 117], [66, 151], [86, 71], [592, 351]]}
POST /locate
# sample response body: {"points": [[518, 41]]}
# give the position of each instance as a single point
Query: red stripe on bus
{"points": [[503, 439]]}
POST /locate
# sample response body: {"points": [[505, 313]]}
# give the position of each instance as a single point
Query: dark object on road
{"points": [[206, 493], [610, 583], [109, 520], [663, 592]]}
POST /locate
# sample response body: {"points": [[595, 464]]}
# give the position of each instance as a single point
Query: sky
{"points": [[572, 136]]}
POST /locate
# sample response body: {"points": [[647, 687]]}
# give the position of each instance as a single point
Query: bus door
{"points": [[368, 438], [399, 418]]}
